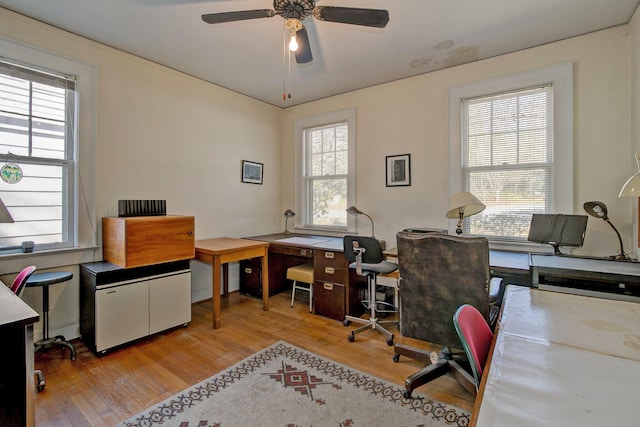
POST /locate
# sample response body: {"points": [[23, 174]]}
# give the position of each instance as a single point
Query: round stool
{"points": [[44, 280]]}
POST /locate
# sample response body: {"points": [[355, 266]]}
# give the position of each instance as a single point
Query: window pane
{"points": [[329, 202]]}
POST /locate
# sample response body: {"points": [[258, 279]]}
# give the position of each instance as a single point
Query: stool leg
{"points": [[293, 292]]}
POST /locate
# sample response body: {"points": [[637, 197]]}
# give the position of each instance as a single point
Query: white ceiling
{"points": [[247, 56]]}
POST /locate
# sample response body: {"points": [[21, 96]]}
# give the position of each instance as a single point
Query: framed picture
{"points": [[399, 170], [251, 172]]}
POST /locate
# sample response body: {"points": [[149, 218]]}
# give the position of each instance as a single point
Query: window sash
{"points": [[326, 173], [507, 162]]}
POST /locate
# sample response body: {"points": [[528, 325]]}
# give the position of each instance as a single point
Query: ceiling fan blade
{"points": [[351, 15], [303, 54], [218, 18]]}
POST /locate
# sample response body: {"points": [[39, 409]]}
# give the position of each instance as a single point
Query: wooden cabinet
{"points": [[122, 305], [145, 240]]}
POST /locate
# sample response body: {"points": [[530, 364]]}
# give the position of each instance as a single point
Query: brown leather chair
{"points": [[438, 274]]}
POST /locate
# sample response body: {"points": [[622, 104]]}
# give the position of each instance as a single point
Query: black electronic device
{"points": [[558, 230]]}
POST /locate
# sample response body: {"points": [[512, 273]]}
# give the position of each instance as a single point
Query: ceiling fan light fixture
{"points": [[293, 25]]}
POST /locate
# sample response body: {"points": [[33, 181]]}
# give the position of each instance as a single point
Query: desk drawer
{"points": [[329, 299], [290, 250], [331, 274]]}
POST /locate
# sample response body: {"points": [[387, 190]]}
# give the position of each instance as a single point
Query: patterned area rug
{"points": [[286, 386]]}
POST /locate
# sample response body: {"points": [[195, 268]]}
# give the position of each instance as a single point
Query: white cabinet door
{"points": [[122, 314], [169, 301]]}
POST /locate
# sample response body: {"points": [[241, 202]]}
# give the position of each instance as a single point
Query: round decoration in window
{"points": [[11, 173]]}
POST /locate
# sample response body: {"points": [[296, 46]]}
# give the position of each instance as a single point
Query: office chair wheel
{"points": [[396, 357], [390, 341], [346, 322], [351, 337], [406, 394]]}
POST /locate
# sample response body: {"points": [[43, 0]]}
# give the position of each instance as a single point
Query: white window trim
{"points": [[348, 115], [84, 200], [561, 77]]}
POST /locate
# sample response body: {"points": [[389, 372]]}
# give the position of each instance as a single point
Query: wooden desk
{"points": [[17, 386], [223, 250], [561, 359]]}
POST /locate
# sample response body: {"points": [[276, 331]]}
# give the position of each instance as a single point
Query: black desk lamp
{"points": [[288, 214], [599, 210], [352, 210]]}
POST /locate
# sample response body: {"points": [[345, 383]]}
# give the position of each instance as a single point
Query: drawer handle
{"points": [[248, 270], [303, 252], [329, 270], [329, 255], [328, 286]]}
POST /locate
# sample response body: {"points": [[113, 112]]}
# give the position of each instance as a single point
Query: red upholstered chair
{"points": [[20, 281], [475, 337]]}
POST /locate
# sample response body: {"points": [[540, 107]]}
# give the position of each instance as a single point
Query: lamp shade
{"points": [[464, 204], [5, 216], [631, 188]]}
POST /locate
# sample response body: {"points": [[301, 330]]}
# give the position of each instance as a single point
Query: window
{"points": [[514, 151], [72, 157], [37, 116], [327, 169]]}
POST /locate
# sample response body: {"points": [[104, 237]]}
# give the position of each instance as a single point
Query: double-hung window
{"points": [[511, 147], [507, 162], [327, 169], [37, 134]]}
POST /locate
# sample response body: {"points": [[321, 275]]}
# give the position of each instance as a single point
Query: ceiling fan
{"points": [[295, 11]]}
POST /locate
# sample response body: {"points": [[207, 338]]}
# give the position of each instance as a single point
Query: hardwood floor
{"points": [[101, 391]]}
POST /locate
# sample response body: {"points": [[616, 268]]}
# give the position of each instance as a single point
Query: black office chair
{"points": [[365, 257]]}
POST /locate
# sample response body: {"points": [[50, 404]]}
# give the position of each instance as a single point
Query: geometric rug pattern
{"points": [[283, 385]]}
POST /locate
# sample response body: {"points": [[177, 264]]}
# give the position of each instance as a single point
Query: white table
{"points": [[562, 360]]}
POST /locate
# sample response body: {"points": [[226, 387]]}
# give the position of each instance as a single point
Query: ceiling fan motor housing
{"points": [[298, 9]]}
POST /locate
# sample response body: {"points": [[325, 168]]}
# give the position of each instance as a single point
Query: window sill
{"points": [[15, 261]]}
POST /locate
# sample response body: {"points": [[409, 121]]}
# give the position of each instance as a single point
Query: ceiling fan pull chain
{"points": [[289, 95], [284, 64]]}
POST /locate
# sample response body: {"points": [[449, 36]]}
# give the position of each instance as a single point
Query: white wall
{"points": [[410, 116], [161, 134]]}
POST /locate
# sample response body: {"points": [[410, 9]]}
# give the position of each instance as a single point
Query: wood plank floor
{"points": [[101, 391]]}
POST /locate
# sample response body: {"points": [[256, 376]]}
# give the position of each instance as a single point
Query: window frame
{"points": [[82, 169], [67, 163], [303, 195], [561, 78]]}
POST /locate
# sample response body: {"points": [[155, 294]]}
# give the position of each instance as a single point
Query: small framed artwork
{"points": [[251, 172], [399, 170]]}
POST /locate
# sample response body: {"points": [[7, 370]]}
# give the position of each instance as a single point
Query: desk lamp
{"points": [[5, 216], [599, 210], [288, 214], [462, 205], [352, 210], [631, 188]]}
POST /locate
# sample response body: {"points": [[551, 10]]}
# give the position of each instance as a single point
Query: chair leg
{"points": [[310, 297], [39, 379]]}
